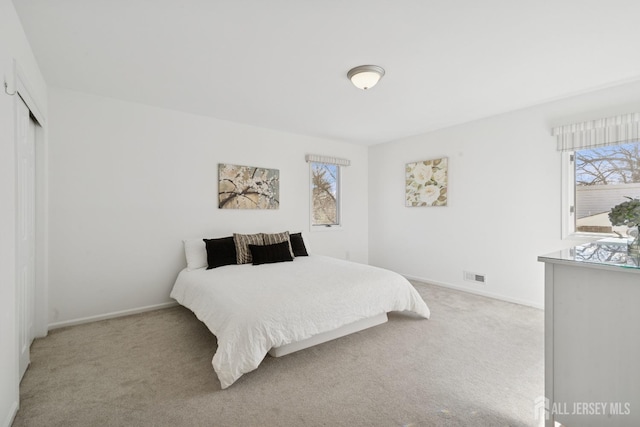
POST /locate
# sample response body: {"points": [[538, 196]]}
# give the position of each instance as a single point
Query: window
{"points": [[603, 177], [325, 194], [324, 177], [600, 168]]}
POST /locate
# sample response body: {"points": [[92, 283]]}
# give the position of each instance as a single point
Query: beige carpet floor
{"points": [[476, 362]]}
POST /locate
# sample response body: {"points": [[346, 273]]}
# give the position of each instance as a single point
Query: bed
{"points": [[283, 307]]}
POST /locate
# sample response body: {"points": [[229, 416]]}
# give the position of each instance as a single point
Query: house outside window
{"points": [[604, 177]]}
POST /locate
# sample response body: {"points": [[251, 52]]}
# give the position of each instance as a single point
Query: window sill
{"points": [[592, 237]]}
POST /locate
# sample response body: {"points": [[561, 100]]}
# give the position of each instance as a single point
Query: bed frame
{"points": [[329, 335]]}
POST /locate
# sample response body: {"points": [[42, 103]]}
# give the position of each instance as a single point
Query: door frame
{"points": [[17, 84]]}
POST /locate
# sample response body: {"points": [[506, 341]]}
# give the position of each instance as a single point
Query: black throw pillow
{"points": [[220, 252], [268, 254], [297, 244]]}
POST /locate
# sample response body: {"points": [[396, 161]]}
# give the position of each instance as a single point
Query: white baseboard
{"points": [[11, 415], [111, 315], [476, 292]]}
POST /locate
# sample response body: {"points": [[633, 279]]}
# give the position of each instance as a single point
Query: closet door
{"points": [[25, 232]]}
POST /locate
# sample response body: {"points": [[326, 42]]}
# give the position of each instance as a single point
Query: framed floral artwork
{"points": [[426, 183], [248, 187]]}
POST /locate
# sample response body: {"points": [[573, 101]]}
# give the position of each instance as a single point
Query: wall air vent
{"points": [[474, 277]]}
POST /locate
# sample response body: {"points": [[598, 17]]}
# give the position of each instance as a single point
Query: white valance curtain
{"points": [[327, 159], [598, 133]]}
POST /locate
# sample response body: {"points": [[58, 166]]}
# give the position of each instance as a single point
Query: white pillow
{"points": [[196, 253]]}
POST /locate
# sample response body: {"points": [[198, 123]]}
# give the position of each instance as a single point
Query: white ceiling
{"points": [[282, 64]]}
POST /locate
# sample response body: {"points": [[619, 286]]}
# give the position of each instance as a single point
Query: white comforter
{"points": [[251, 309]]}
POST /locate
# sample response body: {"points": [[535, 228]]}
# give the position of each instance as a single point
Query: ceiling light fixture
{"points": [[365, 76]]}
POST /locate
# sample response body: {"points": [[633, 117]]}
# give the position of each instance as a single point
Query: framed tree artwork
{"points": [[248, 187]]}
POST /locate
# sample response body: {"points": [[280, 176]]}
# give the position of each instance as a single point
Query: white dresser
{"points": [[592, 336]]}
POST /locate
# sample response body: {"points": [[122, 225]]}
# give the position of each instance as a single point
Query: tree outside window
{"points": [[325, 207], [604, 176]]}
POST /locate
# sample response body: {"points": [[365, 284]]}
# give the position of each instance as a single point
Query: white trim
{"points": [[111, 315], [42, 234], [17, 83], [475, 292], [568, 218], [13, 411], [568, 196]]}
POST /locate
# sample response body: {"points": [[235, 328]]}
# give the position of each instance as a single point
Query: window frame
{"points": [[568, 204], [326, 227]]}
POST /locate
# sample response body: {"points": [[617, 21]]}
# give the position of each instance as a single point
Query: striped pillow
{"points": [[242, 242], [271, 239]]}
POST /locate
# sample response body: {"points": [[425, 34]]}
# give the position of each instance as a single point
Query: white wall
{"points": [[504, 198], [128, 182], [13, 45]]}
